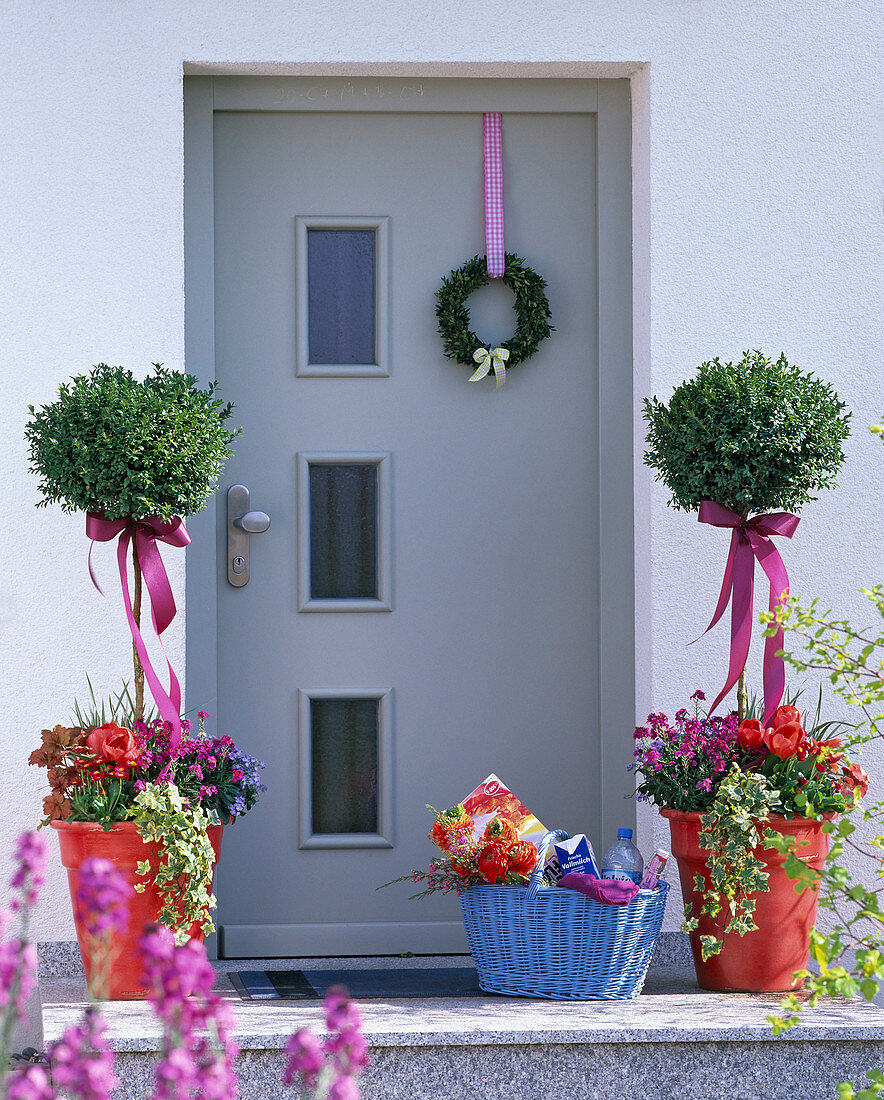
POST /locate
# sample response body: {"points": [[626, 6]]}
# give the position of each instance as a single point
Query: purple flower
{"points": [[345, 1088], [81, 1061], [18, 965], [341, 1014], [305, 1058], [30, 1083], [180, 981], [29, 874], [102, 898]]}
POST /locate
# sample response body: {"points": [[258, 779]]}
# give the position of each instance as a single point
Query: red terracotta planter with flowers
{"points": [[121, 974], [764, 960]]}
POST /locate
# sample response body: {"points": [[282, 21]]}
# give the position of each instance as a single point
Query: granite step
{"points": [[672, 1041]]}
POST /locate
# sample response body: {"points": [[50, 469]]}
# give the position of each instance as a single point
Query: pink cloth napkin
{"points": [[611, 891]]}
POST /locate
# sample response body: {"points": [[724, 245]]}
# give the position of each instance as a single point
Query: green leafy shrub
{"points": [[754, 436], [184, 872], [126, 447]]}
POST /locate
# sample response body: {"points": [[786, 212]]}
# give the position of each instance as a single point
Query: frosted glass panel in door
{"points": [[343, 531], [341, 295], [344, 760]]}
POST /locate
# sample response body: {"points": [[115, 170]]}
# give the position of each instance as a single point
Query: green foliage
{"points": [[851, 955], [119, 708], [753, 436], [126, 447], [105, 801], [531, 307], [184, 872], [876, 1087], [731, 830]]}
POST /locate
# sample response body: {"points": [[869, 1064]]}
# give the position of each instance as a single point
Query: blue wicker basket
{"points": [[544, 941]]}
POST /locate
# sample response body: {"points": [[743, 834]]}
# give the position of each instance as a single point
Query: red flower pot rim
{"points": [[781, 820]]}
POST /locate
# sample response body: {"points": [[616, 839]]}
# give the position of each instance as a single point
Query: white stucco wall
{"points": [[757, 223]]}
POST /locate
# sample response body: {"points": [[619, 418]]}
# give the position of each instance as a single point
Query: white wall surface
{"points": [[757, 220]]}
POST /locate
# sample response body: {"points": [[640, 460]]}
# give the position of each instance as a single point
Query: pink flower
{"points": [[29, 874], [305, 1058], [29, 1084], [102, 898]]}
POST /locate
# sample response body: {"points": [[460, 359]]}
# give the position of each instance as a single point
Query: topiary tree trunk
{"points": [[136, 660]]}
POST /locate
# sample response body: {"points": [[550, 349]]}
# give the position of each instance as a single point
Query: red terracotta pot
{"points": [[765, 960], [122, 845]]}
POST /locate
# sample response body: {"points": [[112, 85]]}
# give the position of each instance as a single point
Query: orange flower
{"points": [[493, 863], [459, 869], [502, 830], [523, 857], [448, 826]]}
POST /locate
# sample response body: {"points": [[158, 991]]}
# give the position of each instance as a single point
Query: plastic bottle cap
{"points": [[624, 834]]}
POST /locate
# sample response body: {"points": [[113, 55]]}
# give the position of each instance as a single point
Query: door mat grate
{"points": [[297, 985]]}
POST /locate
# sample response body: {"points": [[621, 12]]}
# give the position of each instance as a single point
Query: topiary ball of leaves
{"points": [[754, 436], [126, 447]]}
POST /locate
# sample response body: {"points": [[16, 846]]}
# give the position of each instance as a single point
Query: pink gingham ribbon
{"points": [[492, 141]]}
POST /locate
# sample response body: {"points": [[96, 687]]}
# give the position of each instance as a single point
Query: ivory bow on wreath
{"points": [[491, 359]]}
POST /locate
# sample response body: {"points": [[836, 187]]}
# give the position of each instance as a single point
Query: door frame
{"points": [[609, 100]]}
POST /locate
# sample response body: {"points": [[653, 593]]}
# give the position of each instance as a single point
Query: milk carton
{"points": [[576, 854]]}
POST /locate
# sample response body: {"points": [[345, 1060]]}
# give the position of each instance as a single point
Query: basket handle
{"points": [[537, 873]]}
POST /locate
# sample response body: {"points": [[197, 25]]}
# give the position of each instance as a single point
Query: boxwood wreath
{"points": [[531, 307]]}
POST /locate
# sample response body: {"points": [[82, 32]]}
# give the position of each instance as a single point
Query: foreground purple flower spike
{"points": [[81, 1061], [30, 872], [31, 1083], [103, 898], [198, 1046], [328, 1069]]}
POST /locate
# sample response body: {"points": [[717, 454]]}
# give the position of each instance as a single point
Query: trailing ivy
{"points": [[126, 447], [531, 307], [184, 872], [754, 436], [731, 829]]}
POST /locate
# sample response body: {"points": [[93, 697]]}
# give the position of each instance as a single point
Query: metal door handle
{"points": [[240, 524], [253, 522]]}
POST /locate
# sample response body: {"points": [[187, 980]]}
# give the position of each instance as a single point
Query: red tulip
{"points": [[785, 740], [114, 743], [751, 734], [786, 713]]}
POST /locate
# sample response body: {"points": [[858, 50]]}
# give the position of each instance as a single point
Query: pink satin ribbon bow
{"points": [[750, 540], [147, 533]]}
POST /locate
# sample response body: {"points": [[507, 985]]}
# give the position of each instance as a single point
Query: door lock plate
{"points": [[241, 524]]}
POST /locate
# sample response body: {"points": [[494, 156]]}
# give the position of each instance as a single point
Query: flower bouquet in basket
{"points": [[529, 937]]}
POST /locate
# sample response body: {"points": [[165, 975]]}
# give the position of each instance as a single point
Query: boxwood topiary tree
{"points": [[125, 447], [753, 436]]}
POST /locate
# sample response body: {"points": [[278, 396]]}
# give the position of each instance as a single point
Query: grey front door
{"points": [[426, 606]]}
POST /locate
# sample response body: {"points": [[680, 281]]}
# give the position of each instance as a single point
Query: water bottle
{"points": [[655, 870], [623, 860]]}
